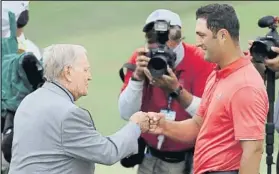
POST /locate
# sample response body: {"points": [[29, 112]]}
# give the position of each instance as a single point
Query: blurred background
{"points": [[111, 31]]}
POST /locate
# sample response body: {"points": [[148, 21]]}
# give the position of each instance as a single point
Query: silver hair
{"points": [[56, 57]]}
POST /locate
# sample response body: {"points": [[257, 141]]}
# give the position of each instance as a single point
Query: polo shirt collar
{"points": [[234, 66]]}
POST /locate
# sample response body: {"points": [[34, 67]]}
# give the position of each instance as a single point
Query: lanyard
{"points": [[169, 99]]}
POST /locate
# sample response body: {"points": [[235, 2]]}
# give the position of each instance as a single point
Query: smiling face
{"points": [[217, 31], [78, 77], [212, 44], [82, 75]]}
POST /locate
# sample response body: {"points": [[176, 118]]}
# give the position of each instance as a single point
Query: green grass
{"points": [[111, 31]]}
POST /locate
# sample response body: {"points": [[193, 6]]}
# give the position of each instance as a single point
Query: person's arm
{"points": [[261, 69], [200, 72], [130, 98], [249, 116], [184, 131], [251, 156], [187, 130], [81, 140], [259, 66]]}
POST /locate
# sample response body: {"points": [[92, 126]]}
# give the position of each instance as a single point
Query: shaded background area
{"points": [[111, 31]]}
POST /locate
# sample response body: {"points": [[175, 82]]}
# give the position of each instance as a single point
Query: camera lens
{"points": [[158, 63], [157, 66], [261, 49]]}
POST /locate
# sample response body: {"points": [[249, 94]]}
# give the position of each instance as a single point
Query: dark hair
{"points": [[219, 16], [150, 36], [175, 34]]}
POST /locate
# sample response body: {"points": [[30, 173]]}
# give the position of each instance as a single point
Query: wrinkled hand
{"points": [[166, 82], [141, 64], [157, 123], [142, 119]]}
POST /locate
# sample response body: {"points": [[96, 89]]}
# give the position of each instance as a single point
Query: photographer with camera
{"points": [[264, 52], [274, 65], [169, 77]]}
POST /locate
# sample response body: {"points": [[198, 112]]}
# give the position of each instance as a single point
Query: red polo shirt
{"points": [[234, 106], [194, 71]]}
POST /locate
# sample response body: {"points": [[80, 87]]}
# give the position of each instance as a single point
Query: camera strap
{"points": [[128, 66]]}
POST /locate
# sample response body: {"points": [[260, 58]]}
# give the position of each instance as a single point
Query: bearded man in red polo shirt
{"points": [[164, 155], [228, 128]]}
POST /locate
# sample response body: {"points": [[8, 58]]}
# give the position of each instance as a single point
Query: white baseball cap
{"points": [[162, 14], [16, 7]]}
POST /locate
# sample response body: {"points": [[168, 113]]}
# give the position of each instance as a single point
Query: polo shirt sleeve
{"points": [[129, 73], [249, 108]]}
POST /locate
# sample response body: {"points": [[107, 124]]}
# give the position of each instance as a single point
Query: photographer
{"points": [[264, 53], [177, 94], [272, 64]]}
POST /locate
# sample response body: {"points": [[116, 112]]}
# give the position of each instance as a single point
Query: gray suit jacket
{"points": [[54, 136]]}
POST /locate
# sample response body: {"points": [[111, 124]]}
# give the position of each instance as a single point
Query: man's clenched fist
{"points": [[142, 119]]}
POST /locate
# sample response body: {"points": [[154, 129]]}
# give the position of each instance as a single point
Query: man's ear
{"points": [[222, 35], [67, 73]]}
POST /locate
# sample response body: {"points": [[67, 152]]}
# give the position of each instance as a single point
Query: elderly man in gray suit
{"points": [[52, 135]]}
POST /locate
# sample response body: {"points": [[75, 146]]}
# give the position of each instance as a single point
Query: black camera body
{"points": [[261, 47], [162, 56]]}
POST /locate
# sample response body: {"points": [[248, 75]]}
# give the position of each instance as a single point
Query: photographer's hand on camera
{"points": [[264, 50], [168, 83], [141, 64], [273, 64]]}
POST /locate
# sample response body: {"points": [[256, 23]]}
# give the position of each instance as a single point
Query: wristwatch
{"points": [[176, 92]]}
